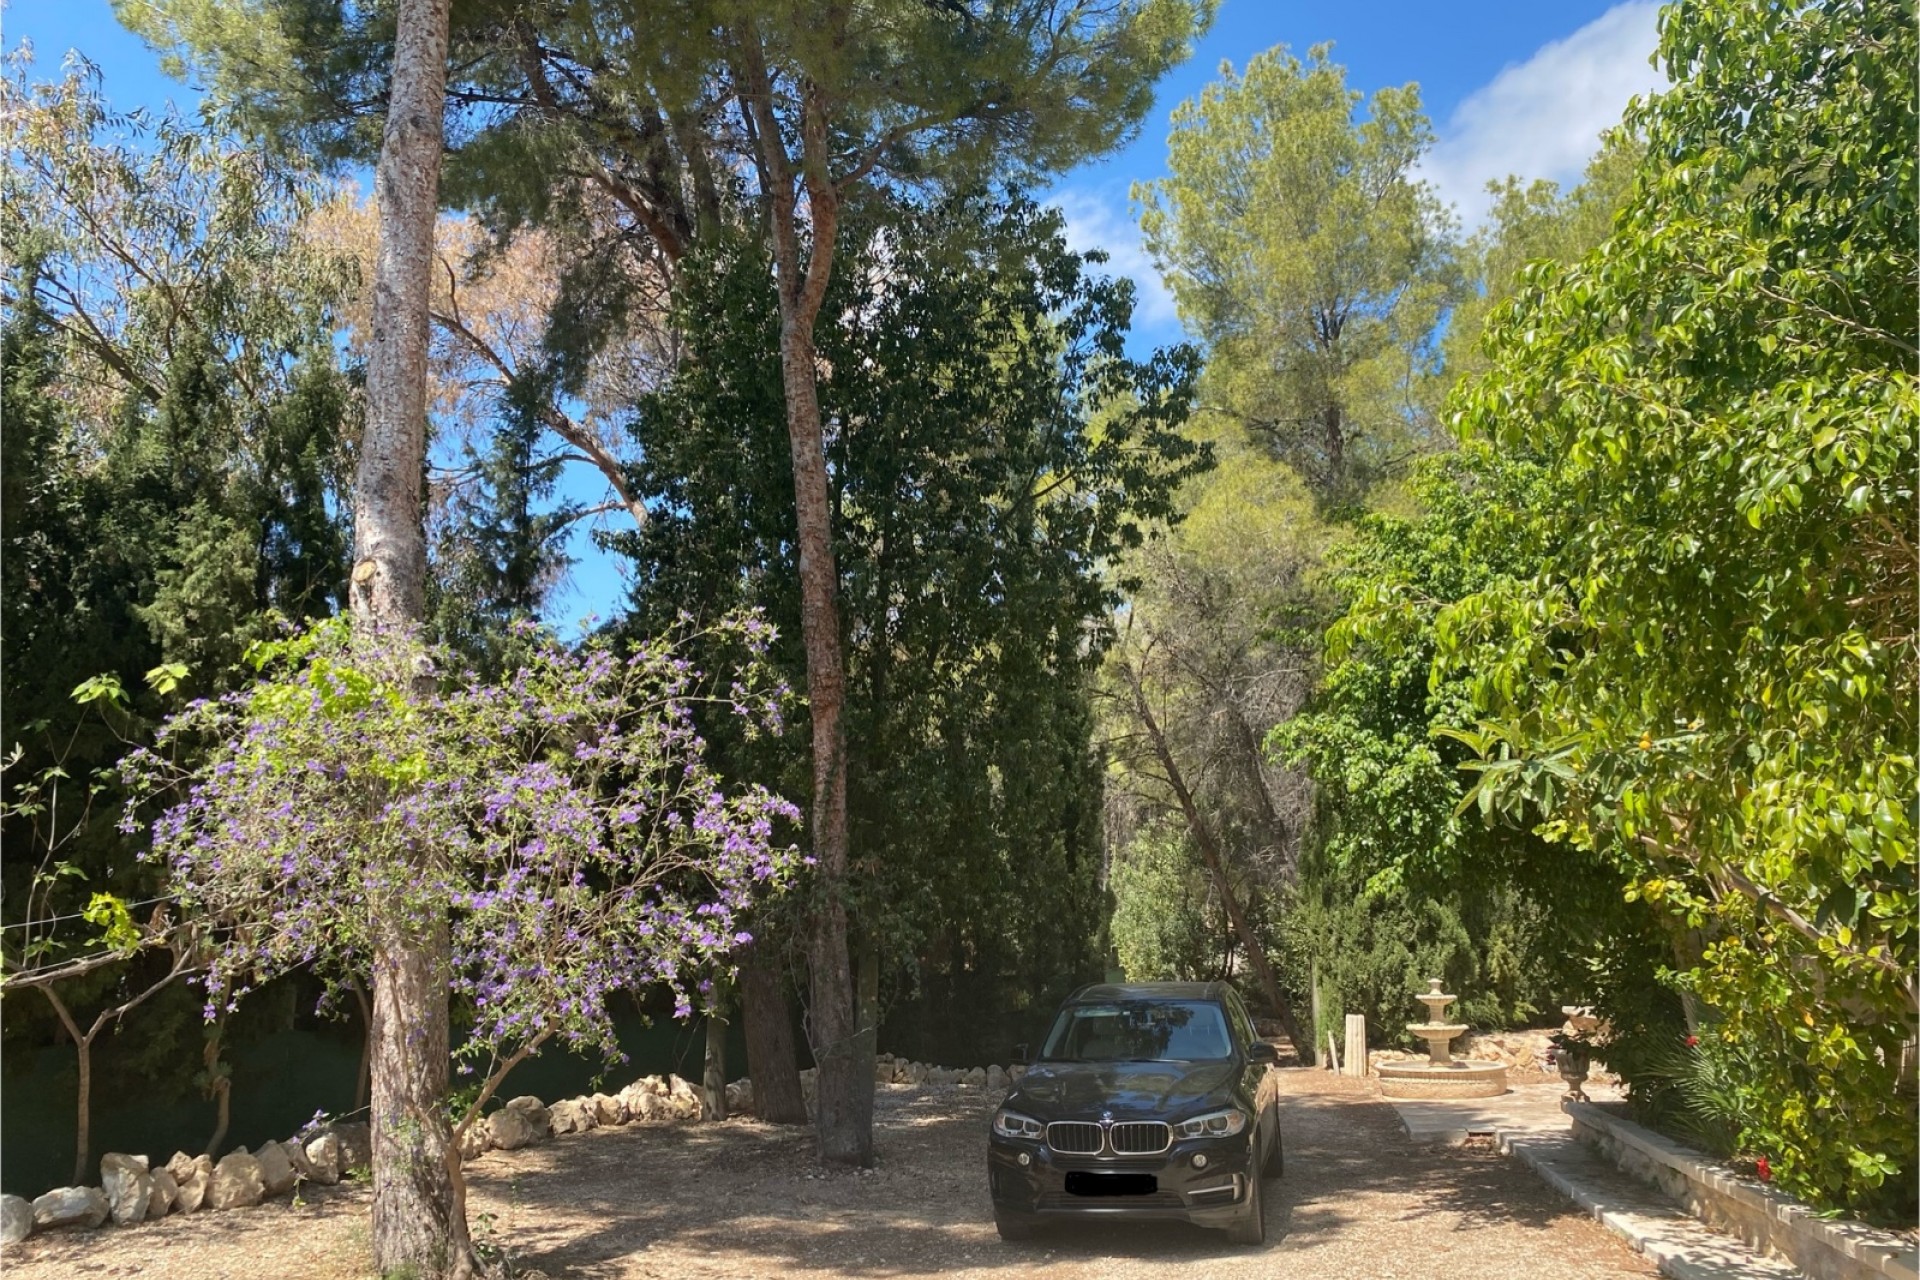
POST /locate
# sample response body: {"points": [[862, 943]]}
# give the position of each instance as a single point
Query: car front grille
{"points": [[1140, 1138], [1128, 1138], [1075, 1137]]}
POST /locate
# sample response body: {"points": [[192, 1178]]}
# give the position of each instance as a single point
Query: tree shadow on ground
{"points": [[751, 1197]]}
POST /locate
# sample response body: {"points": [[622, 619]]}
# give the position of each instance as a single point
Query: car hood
{"points": [[1161, 1090]]}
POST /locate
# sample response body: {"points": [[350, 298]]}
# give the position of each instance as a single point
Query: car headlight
{"points": [[1011, 1124], [1215, 1124]]}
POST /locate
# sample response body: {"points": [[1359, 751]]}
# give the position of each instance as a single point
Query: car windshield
{"points": [[1139, 1031]]}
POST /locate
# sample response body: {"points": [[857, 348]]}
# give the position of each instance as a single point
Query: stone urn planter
{"points": [[1574, 1057]]}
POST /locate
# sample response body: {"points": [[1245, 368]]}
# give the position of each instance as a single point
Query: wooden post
{"points": [[1356, 1044], [1317, 1013], [1333, 1053]]}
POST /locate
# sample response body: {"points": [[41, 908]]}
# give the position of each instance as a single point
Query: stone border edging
{"points": [[1768, 1220], [135, 1190]]}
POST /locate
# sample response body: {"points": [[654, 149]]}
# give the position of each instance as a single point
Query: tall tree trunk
{"points": [[1216, 865], [219, 1086], [713, 1076], [222, 1116], [83, 1102], [843, 1089], [777, 1098], [363, 1082], [418, 1220], [419, 1224]]}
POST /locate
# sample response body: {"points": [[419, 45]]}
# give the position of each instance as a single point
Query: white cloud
{"points": [[1542, 118], [1100, 220]]}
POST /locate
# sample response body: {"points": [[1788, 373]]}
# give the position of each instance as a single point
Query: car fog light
{"points": [[1200, 1160], [1025, 1159]]}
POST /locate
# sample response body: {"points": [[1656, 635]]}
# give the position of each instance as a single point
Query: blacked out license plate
{"points": [[1081, 1183]]}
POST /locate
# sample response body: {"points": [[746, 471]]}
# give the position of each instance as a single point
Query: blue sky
{"points": [[1512, 88]]}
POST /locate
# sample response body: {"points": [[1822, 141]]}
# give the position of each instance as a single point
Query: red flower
{"points": [[1693, 1042], [1764, 1169]]}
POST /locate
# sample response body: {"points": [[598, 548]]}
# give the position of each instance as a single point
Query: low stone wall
{"points": [[133, 1189], [1775, 1224], [888, 1069]]}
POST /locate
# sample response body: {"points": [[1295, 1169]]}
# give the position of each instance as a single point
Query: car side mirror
{"points": [[1260, 1051]]}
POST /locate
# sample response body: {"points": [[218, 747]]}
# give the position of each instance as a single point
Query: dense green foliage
{"points": [[1718, 691], [993, 449], [1318, 272], [175, 419], [1664, 600], [1311, 262], [1167, 920], [1397, 878]]}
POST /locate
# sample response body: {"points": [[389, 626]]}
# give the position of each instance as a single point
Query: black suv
{"points": [[1149, 1100]]}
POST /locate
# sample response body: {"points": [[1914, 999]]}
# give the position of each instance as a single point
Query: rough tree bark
{"points": [[419, 1223], [843, 1089], [363, 1080], [777, 1098], [1216, 865], [219, 1086], [713, 1076]]}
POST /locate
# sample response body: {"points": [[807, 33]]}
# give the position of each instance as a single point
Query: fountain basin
{"points": [[1456, 1079]]}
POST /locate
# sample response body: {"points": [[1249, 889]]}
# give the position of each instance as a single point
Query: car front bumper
{"points": [[1214, 1196]]}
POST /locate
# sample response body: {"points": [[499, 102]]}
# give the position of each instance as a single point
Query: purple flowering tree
{"points": [[562, 823]]}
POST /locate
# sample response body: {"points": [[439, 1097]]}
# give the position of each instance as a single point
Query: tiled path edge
{"points": [[1528, 1125]]}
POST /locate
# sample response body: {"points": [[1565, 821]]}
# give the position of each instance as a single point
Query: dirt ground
{"points": [[743, 1199]]}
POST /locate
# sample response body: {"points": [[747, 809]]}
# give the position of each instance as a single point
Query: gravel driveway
{"points": [[745, 1199]]}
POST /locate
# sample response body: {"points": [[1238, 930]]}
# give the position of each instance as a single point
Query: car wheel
{"points": [[1013, 1228], [1253, 1228], [1276, 1164]]}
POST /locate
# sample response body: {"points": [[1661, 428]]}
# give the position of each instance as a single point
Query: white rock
{"points": [[71, 1207], [128, 1185], [165, 1192], [740, 1096], [236, 1182], [996, 1077], [16, 1219], [194, 1174], [520, 1123], [277, 1174], [686, 1100], [473, 1143], [324, 1159], [610, 1110], [573, 1115]]}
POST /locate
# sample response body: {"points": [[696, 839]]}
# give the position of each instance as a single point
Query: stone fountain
{"points": [[1441, 1075]]}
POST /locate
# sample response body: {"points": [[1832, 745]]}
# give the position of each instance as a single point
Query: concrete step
{"points": [[1679, 1244], [1529, 1126]]}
